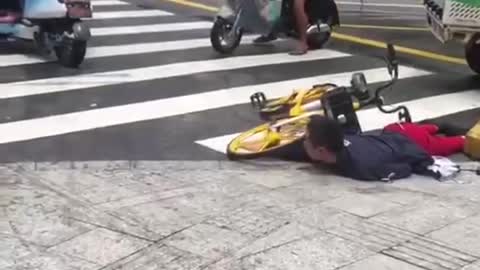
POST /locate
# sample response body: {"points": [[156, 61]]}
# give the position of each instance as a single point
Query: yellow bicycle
{"points": [[276, 138], [287, 117]]}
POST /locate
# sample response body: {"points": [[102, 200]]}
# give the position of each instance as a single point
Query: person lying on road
{"points": [[398, 152]]}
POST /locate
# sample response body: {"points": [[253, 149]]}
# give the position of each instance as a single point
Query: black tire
{"points": [[318, 40], [472, 53], [216, 36], [71, 53]]}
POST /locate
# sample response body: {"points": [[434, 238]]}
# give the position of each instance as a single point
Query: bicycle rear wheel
{"points": [[280, 107]]}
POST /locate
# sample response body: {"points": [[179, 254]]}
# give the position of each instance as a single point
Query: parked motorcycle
{"points": [[239, 16], [52, 25]]}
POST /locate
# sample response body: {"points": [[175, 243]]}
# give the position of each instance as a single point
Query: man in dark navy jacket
{"points": [[385, 157]]}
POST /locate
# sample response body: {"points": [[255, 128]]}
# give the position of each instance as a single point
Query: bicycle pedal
{"points": [[258, 100], [405, 116]]}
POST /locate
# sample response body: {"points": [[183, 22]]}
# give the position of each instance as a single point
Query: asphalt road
{"points": [[152, 87]]}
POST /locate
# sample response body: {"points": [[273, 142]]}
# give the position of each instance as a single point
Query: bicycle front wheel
{"points": [[277, 139]]}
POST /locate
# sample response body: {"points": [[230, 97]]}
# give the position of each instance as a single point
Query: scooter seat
{"points": [[7, 16]]}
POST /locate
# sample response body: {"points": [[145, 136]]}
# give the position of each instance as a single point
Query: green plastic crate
{"points": [[464, 13]]}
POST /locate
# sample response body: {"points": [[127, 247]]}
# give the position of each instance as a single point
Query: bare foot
{"points": [[301, 49]]}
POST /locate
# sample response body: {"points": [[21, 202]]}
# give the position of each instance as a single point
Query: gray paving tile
{"points": [[208, 241], [428, 215], [380, 262], [473, 266], [320, 252], [160, 256], [364, 205], [100, 246], [234, 216], [463, 235], [51, 261]]}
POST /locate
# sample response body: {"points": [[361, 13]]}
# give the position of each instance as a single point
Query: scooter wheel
{"points": [[71, 53], [472, 53], [219, 37]]}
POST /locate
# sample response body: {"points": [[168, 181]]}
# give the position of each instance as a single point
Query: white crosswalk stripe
{"points": [[131, 113], [150, 28], [132, 75], [109, 3], [116, 50], [77, 82], [129, 14], [367, 4]]}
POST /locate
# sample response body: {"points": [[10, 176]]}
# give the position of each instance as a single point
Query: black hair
{"points": [[325, 132]]}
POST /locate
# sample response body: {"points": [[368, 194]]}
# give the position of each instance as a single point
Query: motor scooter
{"points": [[236, 17], [51, 25]]}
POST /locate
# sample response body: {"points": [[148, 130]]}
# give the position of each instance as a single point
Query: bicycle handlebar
{"points": [[377, 97]]}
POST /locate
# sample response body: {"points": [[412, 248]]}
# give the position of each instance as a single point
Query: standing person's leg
{"points": [[275, 29], [302, 23], [271, 36], [265, 38]]}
